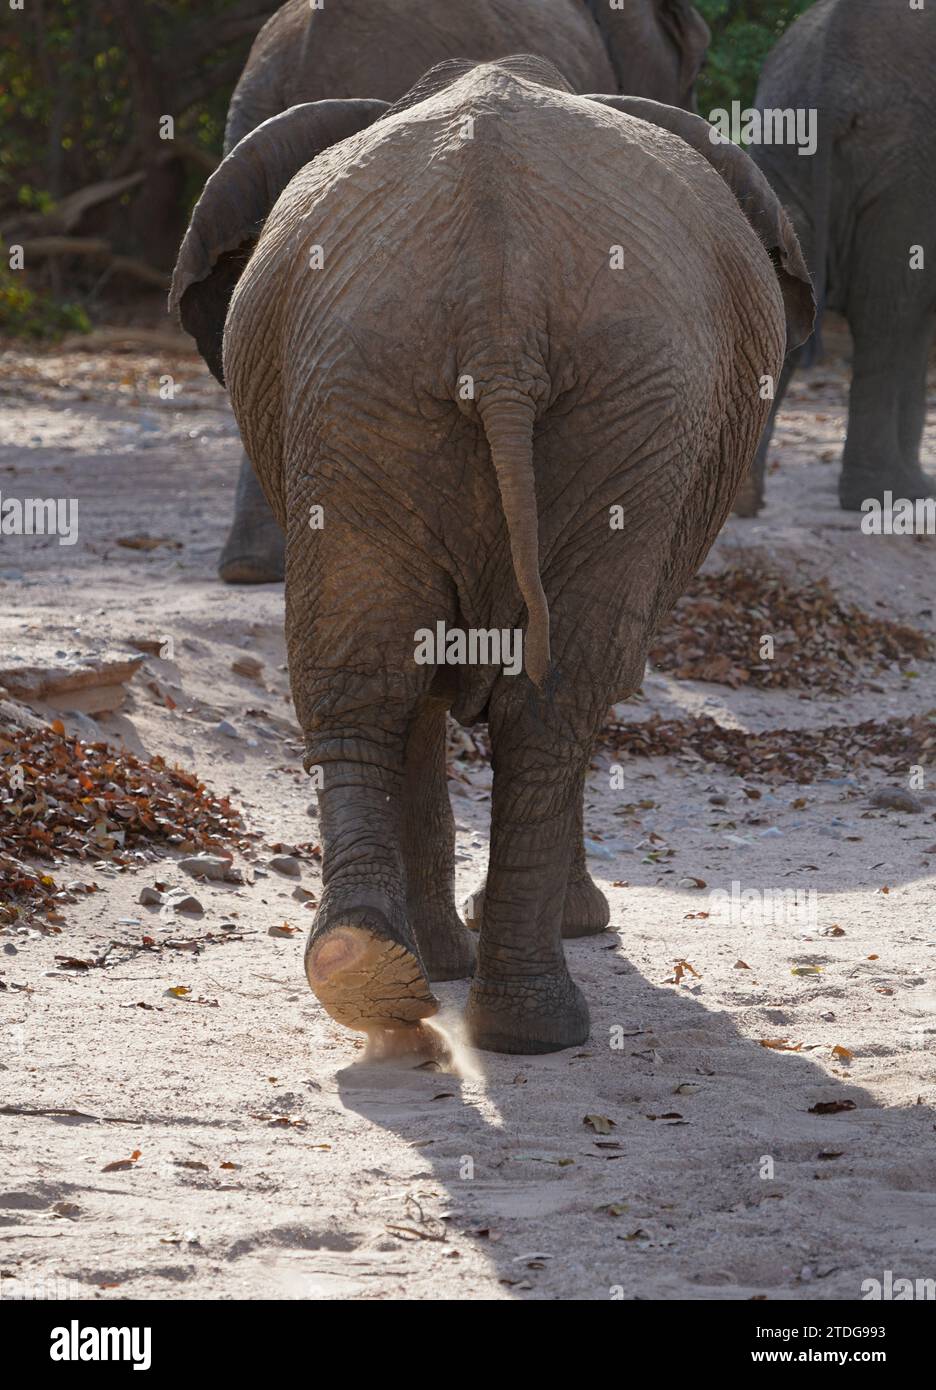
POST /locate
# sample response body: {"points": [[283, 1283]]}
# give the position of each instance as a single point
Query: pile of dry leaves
{"points": [[716, 631], [61, 798], [797, 755]]}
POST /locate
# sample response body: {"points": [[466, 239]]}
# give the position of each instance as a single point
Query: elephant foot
{"points": [[364, 973], [856, 489], [447, 949], [527, 1014], [253, 553], [585, 911], [914, 484]]}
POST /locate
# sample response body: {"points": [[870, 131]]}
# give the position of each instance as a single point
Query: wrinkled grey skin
{"points": [[380, 48], [859, 204], [489, 258]]}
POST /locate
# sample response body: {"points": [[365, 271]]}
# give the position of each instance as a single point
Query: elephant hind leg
{"points": [[585, 910], [912, 481], [522, 998], [359, 698], [255, 549], [429, 849], [885, 413]]}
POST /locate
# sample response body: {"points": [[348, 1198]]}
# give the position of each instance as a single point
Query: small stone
{"points": [[226, 728], [286, 864], [186, 903], [150, 897], [210, 866], [896, 799], [312, 810], [247, 666]]}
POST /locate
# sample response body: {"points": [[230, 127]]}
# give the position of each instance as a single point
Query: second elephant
{"points": [[379, 48]]}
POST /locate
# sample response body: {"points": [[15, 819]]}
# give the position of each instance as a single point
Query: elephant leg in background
{"points": [[750, 499], [254, 552], [522, 997], [585, 911], [912, 416], [886, 408], [428, 842]]}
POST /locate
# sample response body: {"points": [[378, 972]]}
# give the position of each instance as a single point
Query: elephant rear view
{"points": [[503, 347]]}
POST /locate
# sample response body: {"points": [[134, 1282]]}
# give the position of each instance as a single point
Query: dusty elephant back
{"points": [[500, 191]]}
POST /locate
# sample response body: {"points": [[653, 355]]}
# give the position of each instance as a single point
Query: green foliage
{"points": [[743, 33], [26, 313]]}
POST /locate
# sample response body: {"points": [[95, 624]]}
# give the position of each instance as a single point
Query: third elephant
{"points": [[864, 207]]}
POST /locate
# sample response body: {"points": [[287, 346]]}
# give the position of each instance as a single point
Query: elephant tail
{"points": [[508, 425]]}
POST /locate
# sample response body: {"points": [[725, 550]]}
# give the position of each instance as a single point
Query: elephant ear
{"points": [[690, 36], [237, 200], [756, 198]]}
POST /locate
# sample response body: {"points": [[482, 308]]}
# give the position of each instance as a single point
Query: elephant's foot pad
{"points": [[369, 982]]}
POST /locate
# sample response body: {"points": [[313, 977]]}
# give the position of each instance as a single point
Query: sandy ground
{"points": [[272, 1162]]}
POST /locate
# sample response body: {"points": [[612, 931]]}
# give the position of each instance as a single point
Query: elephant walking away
{"points": [[864, 208], [470, 328], [379, 48]]}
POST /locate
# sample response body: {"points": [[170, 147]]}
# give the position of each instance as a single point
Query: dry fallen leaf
{"points": [[681, 966], [601, 1124], [842, 1053], [122, 1164], [780, 1044]]}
